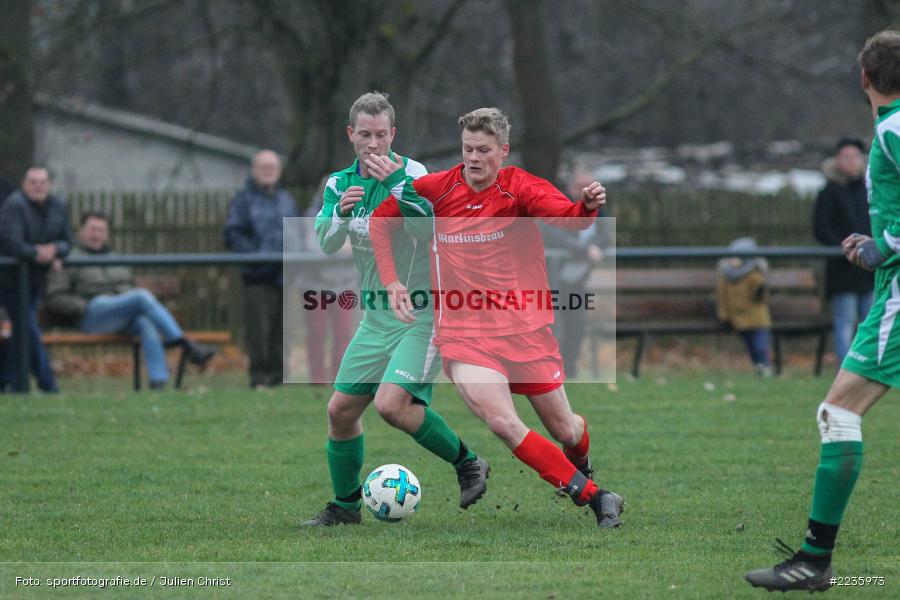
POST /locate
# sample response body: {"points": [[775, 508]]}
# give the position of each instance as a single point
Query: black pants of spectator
{"points": [[569, 326], [38, 359], [263, 309]]}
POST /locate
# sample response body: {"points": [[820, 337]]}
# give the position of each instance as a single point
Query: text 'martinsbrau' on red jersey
{"points": [[489, 276]]}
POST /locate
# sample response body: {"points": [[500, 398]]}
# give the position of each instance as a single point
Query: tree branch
{"points": [[267, 16], [626, 110], [438, 32], [772, 64], [633, 106]]}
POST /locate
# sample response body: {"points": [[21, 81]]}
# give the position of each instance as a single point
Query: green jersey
{"points": [[883, 183], [410, 250]]}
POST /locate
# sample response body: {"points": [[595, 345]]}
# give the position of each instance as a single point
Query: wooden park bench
{"points": [[681, 301], [164, 287]]}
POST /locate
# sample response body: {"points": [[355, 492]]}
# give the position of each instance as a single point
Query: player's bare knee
{"points": [[392, 402], [340, 412], [389, 409]]}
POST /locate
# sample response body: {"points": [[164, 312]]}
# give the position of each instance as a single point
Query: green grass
{"points": [[103, 482]]}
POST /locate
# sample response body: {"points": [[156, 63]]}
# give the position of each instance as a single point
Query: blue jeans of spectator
{"points": [[847, 310], [38, 360], [757, 342], [136, 312]]}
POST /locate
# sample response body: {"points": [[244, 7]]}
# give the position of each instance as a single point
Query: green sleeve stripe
{"points": [[891, 241], [336, 222]]}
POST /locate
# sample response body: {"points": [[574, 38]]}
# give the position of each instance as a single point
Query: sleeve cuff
{"points": [[394, 178], [883, 246], [388, 275]]}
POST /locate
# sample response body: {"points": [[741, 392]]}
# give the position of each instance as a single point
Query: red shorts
{"points": [[530, 361]]}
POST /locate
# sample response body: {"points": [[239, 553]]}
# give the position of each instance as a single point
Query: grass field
{"points": [[101, 482]]}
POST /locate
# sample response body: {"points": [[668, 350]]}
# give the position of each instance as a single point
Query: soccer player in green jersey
{"points": [[388, 361], [872, 366]]}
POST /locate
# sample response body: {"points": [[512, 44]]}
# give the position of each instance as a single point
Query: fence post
{"points": [[21, 330]]}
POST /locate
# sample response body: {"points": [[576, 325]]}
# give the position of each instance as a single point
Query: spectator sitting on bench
{"points": [[743, 304], [103, 299]]}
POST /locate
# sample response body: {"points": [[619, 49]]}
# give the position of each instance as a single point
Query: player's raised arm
{"points": [[541, 199], [395, 178], [332, 220]]}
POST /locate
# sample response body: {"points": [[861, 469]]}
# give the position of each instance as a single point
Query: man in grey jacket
{"points": [[254, 224], [34, 227]]}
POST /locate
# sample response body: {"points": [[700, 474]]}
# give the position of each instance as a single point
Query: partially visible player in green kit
{"points": [[872, 366], [388, 361]]}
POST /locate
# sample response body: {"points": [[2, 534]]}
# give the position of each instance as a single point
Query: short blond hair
{"points": [[371, 103], [489, 120]]}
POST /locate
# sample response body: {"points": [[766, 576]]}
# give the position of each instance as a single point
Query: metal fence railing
{"points": [[636, 254]]}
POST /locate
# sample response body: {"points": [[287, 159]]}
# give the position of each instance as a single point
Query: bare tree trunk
{"points": [[313, 153], [16, 120], [113, 90], [541, 141]]}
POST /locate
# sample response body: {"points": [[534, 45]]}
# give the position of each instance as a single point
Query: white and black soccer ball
{"points": [[391, 493]]}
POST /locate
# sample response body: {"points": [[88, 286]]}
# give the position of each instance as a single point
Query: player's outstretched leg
{"points": [[548, 460], [840, 425], [397, 406], [345, 449], [567, 428], [488, 396]]}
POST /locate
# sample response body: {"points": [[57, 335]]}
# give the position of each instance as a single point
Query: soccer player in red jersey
{"points": [[482, 251]]}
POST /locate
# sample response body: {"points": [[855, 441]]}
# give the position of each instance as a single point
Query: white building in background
{"points": [[89, 147]]}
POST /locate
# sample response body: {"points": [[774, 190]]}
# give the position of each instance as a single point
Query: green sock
{"points": [[437, 437], [345, 461], [839, 467]]}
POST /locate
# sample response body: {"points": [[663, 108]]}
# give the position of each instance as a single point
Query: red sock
{"points": [[543, 456], [579, 451]]}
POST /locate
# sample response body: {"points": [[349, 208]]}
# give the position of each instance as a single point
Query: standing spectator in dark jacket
{"points": [[569, 273], [34, 226], [254, 224], [841, 209]]}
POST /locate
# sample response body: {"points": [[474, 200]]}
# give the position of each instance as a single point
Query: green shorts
{"points": [[405, 356], [875, 352]]}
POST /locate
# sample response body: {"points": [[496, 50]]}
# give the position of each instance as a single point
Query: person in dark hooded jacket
{"points": [[254, 224], [842, 208]]}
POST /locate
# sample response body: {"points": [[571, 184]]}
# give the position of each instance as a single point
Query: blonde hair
{"points": [[489, 120], [371, 103]]}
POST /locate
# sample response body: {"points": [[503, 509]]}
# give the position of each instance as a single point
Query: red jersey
{"points": [[488, 270]]}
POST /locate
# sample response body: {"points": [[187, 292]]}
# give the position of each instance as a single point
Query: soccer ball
{"points": [[391, 493]]}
